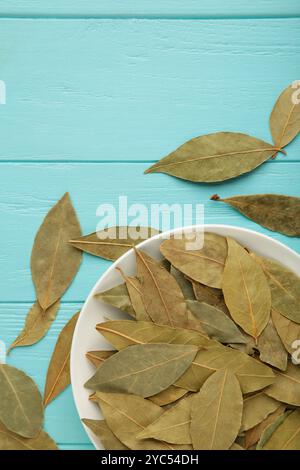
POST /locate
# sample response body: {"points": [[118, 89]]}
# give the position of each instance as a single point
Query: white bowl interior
{"points": [[94, 311]]}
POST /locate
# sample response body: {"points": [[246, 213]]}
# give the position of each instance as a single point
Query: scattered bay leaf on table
{"points": [[58, 374], [144, 369], [112, 242], [118, 297], [257, 408], [286, 435], [162, 297], [285, 117], [269, 430], [184, 284], [205, 265], [253, 435], [173, 426], [285, 288], [123, 333], [12, 441], [215, 157], [246, 290], [104, 433], [98, 357], [288, 330], [134, 289], [286, 387], [170, 395], [276, 212], [21, 406], [37, 323], [54, 262], [271, 349], [216, 323], [210, 296], [127, 416], [217, 412]]}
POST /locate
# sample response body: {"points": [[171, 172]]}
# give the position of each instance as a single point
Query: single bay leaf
{"points": [[123, 333], [256, 409], [276, 212], [37, 323], [286, 387], [203, 265], [216, 323], [215, 157], [170, 395], [162, 296], [113, 242], [286, 435], [288, 330], [210, 296], [271, 429], [103, 432], [118, 297], [184, 284], [144, 369], [217, 412], [253, 435], [271, 349], [246, 290], [134, 289], [98, 357], [21, 406], [12, 441], [54, 262], [58, 374], [285, 117]]}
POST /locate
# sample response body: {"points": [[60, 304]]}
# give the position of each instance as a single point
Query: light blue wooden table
{"points": [[96, 91]]}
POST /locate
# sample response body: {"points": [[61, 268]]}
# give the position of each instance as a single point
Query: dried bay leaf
{"points": [[286, 387], [276, 212], [12, 441], [21, 406], [253, 435], [210, 296], [205, 265], [104, 433], [216, 323], [271, 429], [271, 349], [246, 290], [215, 157], [58, 374], [285, 118], [134, 289], [184, 284], [113, 242], [118, 297], [256, 409], [98, 357], [54, 262], [216, 412], [162, 296], [37, 323], [170, 395], [288, 330], [144, 369], [285, 435]]}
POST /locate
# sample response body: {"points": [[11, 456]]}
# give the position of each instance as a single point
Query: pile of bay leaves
{"points": [[207, 359]]}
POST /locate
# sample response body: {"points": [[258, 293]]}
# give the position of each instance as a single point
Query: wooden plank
{"points": [[101, 90], [28, 191], [170, 8]]}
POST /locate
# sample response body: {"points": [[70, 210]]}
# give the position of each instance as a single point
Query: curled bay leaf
{"points": [[288, 330], [286, 387], [21, 406], [58, 374], [271, 349], [144, 369], [285, 117], [37, 323], [210, 296], [98, 357], [276, 212], [203, 265], [217, 412], [284, 433], [118, 297], [12, 441], [104, 433], [54, 262], [246, 290], [170, 395], [256, 409], [113, 242], [215, 157], [253, 435]]}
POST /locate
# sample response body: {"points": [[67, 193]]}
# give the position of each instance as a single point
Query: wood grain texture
{"points": [[135, 90]]}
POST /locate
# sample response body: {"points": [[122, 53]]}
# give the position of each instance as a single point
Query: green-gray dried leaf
{"points": [[184, 284], [246, 290], [256, 409], [276, 212], [284, 435], [21, 406], [216, 323], [103, 432], [286, 387], [113, 242], [58, 375], [11, 441], [285, 117], [37, 323], [269, 430], [271, 349], [144, 369], [217, 412], [215, 157], [288, 330], [98, 357], [253, 435], [118, 297], [54, 262], [170, 395], [203, 265], [210, 296]]}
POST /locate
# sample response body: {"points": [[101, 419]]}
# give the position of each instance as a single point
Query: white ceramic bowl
{"points": [[94, 311]]}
